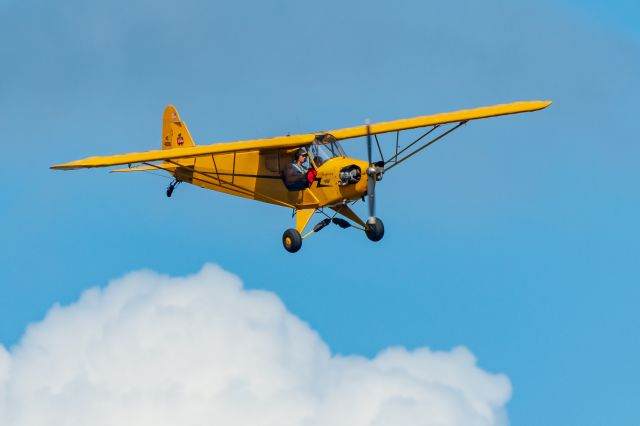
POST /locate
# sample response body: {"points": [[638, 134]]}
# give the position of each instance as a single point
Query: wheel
{"points": [[375, 231], [291, 240]]}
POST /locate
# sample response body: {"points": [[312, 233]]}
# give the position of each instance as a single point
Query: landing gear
{"points": [[291, 240], [374, 229], [172, 187]]}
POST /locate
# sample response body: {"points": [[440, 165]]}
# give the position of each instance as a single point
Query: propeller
{"points": [[372, 172]]}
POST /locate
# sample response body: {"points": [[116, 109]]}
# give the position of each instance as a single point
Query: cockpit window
{"points": [[324, 148]]}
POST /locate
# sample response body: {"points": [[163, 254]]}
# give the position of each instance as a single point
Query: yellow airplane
{"points": [[320, 177]]}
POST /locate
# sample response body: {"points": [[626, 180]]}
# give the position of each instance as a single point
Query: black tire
{"points": [[291, 240], [375, 231]]}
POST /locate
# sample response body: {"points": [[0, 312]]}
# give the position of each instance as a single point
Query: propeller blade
{"points": [[368, 142], [371, 198], [371, 182]]}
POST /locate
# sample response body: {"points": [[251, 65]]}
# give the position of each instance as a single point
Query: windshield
{"points": [[324, 148]]}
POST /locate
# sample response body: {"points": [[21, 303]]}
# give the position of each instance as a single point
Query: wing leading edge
{"points": [[283, 142], [443, 118], [197, 151]]}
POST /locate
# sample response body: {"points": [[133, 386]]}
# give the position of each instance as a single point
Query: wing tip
{"points": [[67, 166], [59, 167], [542, 104], [527, 106]]}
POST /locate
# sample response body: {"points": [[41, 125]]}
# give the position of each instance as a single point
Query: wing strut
{"points": [[395, 160]]}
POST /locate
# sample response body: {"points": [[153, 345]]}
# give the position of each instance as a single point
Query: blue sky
{"points": [[517, 237]]}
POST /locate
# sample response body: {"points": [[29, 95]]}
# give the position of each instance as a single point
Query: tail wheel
{"points": [[291, 240], [375, 230]]}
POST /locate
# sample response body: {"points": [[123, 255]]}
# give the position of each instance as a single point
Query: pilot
{"points": [[295, 175]]}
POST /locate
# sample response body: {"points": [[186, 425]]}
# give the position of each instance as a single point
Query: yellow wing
{"points": [[443, 118], [293, 141], [176, 153]]}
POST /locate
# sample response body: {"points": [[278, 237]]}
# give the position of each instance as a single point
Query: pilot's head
{"points": [[300, 156]]}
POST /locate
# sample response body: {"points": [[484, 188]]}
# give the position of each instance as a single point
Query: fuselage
{"points": [[258, 175]]}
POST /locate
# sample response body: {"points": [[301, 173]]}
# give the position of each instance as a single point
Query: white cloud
{"points": [[201, 350]]}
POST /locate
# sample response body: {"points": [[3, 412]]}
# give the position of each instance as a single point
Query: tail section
{"points": [[174, 131]]}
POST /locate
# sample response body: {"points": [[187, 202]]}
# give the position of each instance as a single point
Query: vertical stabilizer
{"points": [[174, 131]]}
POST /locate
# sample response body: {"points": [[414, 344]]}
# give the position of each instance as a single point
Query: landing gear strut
{"points": [[172, 187]]}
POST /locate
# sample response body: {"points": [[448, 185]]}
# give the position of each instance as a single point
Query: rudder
{"points": [[174, 131]]}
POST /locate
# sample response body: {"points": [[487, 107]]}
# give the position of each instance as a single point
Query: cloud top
{"points": [[201, 350]]}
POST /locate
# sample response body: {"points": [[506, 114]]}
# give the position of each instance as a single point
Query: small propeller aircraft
{"points": [[321, 176]]}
